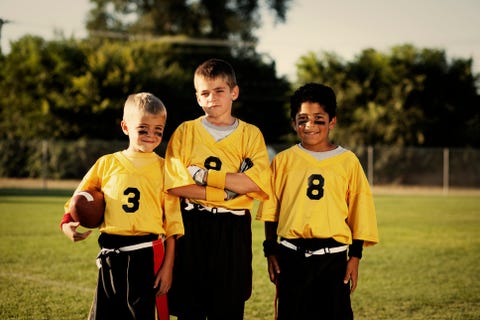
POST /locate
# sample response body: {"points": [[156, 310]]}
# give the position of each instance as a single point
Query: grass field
{"points": [[425, 267]]}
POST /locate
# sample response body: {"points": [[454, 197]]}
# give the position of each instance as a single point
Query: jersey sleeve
{"points": [[361, 208], [173, 224], [268, 209], [176, 173], [90, 181], [259, 173]]}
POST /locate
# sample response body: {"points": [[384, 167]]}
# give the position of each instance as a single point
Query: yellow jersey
{"points": [[328, 198], [192, 144], [135, 201]]}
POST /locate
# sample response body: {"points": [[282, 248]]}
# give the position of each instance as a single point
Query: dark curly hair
{"points": [[314, 92]]}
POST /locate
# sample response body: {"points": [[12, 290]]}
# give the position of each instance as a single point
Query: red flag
{"points": [[161, 301]]}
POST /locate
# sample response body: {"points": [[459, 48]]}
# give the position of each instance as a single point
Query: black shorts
{"points": [[312, 287], [125, 281], [212, 274]]}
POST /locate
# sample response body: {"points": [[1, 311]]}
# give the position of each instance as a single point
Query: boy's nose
{"points": [[148, 132]]}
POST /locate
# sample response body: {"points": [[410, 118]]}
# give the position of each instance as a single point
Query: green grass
{"points": [[425, 267]]}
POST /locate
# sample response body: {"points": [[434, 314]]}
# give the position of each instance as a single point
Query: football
{"points": [[88, 207]]}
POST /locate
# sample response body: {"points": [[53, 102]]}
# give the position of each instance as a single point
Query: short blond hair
{"points": [[143, 102], [214, 68]]}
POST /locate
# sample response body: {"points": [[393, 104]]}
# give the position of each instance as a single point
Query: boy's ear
{"points": [[124, 126], [332, 123], [235, 92], [197, 98]]}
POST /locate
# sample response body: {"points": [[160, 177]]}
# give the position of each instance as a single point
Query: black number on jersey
{"points": [[133, 200], [315, 187], [213, 163]]}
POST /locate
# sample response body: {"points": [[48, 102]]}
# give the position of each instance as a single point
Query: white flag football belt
{"points": [[318, 252]]}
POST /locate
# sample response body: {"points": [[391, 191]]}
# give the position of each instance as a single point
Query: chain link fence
{"points": [[383, 165], [417, 167]]}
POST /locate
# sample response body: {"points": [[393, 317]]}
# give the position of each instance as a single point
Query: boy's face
{"points": [[215, 96], [144, 130], [312, 125]]}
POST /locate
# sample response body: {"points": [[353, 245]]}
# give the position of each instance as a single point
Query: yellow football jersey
{"points": [[328, 198], [192, 144], [135, 201]]}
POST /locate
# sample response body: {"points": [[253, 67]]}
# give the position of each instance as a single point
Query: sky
{"points": [[345, 27]]}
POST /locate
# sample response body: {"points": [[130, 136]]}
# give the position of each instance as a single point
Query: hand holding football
{"points": [[88, 207]]}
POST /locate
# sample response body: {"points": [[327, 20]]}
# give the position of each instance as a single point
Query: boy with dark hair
{"points": [[218, 164], [321, 206], [141, 221]]}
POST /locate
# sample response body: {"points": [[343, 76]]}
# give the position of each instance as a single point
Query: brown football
{"points": [[88, 207]]}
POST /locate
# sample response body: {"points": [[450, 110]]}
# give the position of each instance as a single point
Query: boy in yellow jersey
{"points": [[141, 221], [321, 208], [218, 164]]}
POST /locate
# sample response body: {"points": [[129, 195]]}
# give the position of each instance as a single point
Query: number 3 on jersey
{"points": [[133, 200], [315, 187]]}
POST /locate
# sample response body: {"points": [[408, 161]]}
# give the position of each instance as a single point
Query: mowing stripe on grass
{"points": [[60, 285]]}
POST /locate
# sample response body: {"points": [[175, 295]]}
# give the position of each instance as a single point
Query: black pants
{"points": [[212, 276], [125, 281], [312, 287]]}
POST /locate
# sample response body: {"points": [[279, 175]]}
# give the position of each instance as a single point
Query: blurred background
{"points": [[406, 74]]}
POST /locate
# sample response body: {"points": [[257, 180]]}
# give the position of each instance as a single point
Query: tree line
{"points": [[75, 89], [408, 96]]}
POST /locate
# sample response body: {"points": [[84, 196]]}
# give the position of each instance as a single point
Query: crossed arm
{"points": [[237, 182]]}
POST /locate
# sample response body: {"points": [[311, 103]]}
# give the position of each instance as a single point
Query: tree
{"points": [[194, 31], [75, 89], [409, 96], [212, 19], [35, 80], [71, 90]]}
